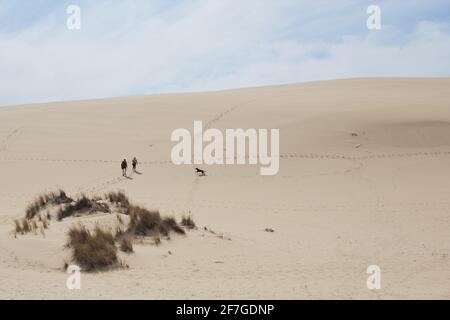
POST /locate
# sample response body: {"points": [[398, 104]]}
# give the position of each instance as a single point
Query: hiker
{"points": [[124, 167], [134, 163]]}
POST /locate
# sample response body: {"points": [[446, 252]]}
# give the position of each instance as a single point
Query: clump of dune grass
{"points": [[82, 205], [119, 198], [126, 244], [172, 224], [144, 222], [92, 250], [42, 201], [24, 225], [188, 222]]}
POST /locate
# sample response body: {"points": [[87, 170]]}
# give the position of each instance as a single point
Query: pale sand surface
{"points": [[340, 202]]}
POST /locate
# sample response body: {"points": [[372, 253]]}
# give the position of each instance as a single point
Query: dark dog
{"points": [[200, 171]]}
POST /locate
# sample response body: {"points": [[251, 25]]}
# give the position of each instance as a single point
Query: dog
{"points": [[200, 171]]}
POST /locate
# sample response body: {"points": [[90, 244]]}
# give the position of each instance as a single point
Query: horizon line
{"points": [[181, 92]]}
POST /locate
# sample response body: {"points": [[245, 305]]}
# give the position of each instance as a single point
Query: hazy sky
{"points": [[152, 46]]}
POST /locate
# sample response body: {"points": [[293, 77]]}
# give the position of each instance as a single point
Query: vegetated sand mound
{"points": [[364, 180], [96, 249]]}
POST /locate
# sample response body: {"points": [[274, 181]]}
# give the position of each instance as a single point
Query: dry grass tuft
{"points": [[26, 225], [82, 205], [119, 198], [188, 222], [126, 244], [144, 222], [172, 224], [42, 201], [92, 250]]}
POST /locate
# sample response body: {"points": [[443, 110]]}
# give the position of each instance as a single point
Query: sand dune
{"points": [[364, 179]]}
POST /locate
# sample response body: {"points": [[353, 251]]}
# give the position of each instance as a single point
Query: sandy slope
{"points": [[364, 179]]}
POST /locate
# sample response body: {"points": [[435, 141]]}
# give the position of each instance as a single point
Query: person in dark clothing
{"points": [[124, 166], [134, 163]]}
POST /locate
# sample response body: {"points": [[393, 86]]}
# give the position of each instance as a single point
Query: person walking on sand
{"points": [[124, 166], [134, 163]]}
